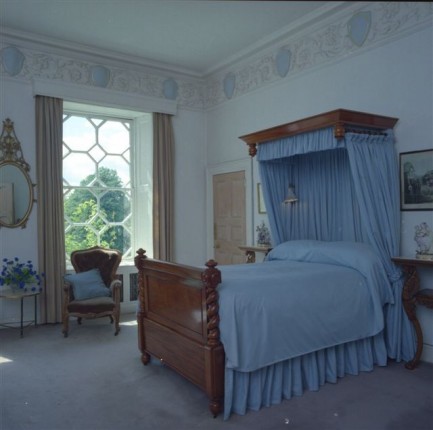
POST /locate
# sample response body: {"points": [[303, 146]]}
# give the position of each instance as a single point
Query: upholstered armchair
{"points": [[93, 290]]}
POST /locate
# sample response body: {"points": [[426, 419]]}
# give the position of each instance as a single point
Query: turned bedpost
{"points": [[139, 260], [214, 351], [211, 277]]}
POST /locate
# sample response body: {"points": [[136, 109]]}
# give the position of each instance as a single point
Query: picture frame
{"points": [[416, 180], [260, 200]]}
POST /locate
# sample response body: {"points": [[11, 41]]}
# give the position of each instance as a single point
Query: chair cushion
{"points": [[87, 285], [95, 306]]}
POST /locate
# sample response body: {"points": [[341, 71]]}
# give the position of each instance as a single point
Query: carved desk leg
{"points": [[410, 290]]}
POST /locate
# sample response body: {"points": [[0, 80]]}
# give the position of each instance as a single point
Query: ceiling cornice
{"points": [[321, 44], [319, 17], [312, 43], [87, 52]]}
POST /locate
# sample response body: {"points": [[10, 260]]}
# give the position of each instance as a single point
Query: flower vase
{"points": [[15, 288]]}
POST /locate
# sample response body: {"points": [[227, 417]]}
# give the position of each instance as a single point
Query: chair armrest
{"points": [[68, 294], [115, 289]]}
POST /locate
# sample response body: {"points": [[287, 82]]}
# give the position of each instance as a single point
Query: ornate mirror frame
{"points": [[16, 187]]}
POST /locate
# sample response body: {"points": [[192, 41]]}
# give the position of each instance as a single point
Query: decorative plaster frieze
{"points": [[326, 44], [41, 65], [328, 41]]}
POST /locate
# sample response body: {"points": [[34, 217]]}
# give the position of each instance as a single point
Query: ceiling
{"points": [[196, 37]]}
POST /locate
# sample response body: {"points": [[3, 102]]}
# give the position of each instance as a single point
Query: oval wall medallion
{"points": [[170, 89], [282, 61], [13, 60], [229, 84], [358, 27], [100, 76]]}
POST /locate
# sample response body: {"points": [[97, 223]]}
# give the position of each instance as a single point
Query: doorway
{"points": [[229, 217]]}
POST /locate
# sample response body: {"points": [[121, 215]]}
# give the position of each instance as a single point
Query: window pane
{"points": [[80, 206], [114, 137], [79, 238], [78, 134], [118, 237], [77, 167], [116, 206], [96, 170], [118, 165]]}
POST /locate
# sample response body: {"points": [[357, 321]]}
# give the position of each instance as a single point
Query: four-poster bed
{"points": [[251, 335]]}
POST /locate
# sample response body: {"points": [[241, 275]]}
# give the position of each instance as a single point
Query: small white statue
{"points": [[424, 239]]}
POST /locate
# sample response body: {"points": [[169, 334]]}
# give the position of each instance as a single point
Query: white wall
{"points": [[17, 103], [392, 80], [190, 188]]}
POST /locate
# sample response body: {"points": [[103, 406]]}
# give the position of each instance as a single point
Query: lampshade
{"points": [[291, 196]]}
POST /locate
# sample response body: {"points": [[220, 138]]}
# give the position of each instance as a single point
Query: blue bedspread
{"points": [[306, 297]]}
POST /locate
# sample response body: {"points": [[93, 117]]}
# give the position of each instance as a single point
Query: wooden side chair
{"points": [[93, 290]]}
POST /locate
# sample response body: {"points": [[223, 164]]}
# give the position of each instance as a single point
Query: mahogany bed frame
{"points": [[178, 320]]}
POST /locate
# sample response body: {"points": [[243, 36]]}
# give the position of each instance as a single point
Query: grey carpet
{"points": [[93, 380]]}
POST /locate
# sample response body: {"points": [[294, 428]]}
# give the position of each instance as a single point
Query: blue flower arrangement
{"points": [[20, 275], [263, 235]]}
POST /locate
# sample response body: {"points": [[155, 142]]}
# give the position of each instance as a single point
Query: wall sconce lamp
{"points": [[291, 196]]}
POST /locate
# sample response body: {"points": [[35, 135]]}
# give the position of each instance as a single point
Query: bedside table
{"points": [[413, 295], [250, 252], [11, 295]]}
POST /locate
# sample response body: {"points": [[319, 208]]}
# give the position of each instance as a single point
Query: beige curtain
{"points": [[51, 234], [163, 187]]}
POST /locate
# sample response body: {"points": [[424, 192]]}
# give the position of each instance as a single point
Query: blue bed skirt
{"points": [[271, 385]]}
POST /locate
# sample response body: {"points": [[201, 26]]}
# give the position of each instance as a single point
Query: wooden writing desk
{"points": [[413, 295], [250, 252]]}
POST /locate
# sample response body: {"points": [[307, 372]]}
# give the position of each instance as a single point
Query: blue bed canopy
{"points": [[343, 167]]}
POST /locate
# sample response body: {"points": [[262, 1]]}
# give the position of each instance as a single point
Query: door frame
{"points": [[221, 168]]}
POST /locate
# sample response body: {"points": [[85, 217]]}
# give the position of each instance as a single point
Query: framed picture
{"points": [[261, 202], [416, 181]]}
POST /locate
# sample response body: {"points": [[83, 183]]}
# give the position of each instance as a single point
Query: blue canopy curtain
{"points": [[348, 190]]}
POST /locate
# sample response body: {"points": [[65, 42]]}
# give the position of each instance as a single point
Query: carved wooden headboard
{"points": [[340, 119]]}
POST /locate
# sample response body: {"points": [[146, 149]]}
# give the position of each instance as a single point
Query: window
{"points": [[106, 179]]}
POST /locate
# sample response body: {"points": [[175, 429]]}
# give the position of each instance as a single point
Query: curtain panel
{"points": [[374, 166], [163, 187], [51, 233]]}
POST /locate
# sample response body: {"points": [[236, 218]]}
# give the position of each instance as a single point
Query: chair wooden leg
{"points": [[65, 326], [79, 320], [116, 323]]}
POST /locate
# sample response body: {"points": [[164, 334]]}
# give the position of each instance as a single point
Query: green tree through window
{"points": [[98, 209], [97, 186]]}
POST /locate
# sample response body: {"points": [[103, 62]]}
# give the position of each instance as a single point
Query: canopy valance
{"points": [[340, 120]]}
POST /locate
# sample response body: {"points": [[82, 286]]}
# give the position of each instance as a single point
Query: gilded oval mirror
{"points": [[16, 188], [16, 195]]}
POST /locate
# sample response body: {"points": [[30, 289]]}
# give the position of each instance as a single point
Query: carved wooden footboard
{"points": [[178, 322]]}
